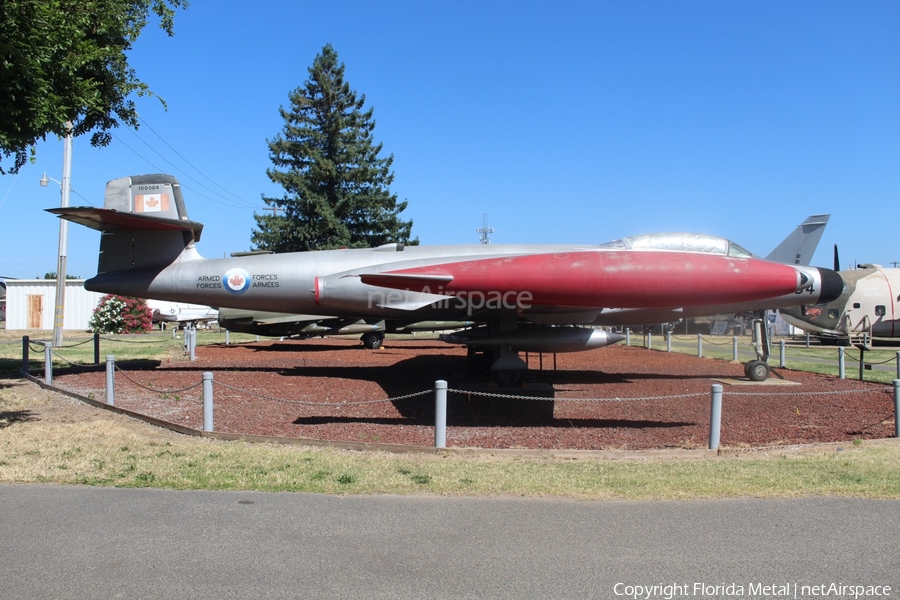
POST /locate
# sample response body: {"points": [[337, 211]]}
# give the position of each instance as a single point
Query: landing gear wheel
{"points": [[373, 340], [509, 377], [757, 370]]}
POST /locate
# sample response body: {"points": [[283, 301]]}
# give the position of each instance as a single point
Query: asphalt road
{"points": [[81, 542]]}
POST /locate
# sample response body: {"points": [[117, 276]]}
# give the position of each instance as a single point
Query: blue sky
{"points": [[565, 122]]}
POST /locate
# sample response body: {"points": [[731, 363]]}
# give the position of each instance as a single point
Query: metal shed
{"points": [[30, 304]]}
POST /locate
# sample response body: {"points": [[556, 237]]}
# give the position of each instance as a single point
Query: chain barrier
{"points": [[884, 362], [310, 403], [157, 390], [130, 341], [34, 348], [557, 399], [712, 343], [69, 362], [831, 393], [87, 341]]}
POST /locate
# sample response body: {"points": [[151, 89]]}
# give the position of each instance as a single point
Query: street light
{"points": [[65, 188]]}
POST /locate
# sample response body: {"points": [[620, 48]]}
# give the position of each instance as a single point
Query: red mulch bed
{"points": [[288, 388]]}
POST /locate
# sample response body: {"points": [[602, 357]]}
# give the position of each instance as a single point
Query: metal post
{"points": [[669, 344], [48, 363], [227, 338], [110, 379], [207, 401], [699, 345], [627, 337], [715, 417], [26, 359], [649, 340], [897, 408], [440, 414], [96, 348], [192, 350], [734, 348], [59, 311], [807, 339], [862, 353], [898, 365], [841, 361], [781, 354]]}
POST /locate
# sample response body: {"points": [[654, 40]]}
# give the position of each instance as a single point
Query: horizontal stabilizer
{"points": [[108, 220]]}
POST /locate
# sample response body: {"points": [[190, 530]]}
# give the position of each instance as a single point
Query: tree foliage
{"points": [[336, 185], [64, 61], [121, 314]]}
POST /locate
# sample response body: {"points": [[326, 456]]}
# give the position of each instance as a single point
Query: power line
{"points": [[226, 201], [159, 170], [211, 180]]}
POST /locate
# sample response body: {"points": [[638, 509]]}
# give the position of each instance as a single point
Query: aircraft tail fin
{"points": [[798, 248], [144, 223]]}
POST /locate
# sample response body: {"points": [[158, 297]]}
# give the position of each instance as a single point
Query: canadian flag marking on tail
{"points": [[145, 203]]}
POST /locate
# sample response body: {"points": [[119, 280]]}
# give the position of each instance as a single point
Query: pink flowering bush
{"points": [[121, 314]]}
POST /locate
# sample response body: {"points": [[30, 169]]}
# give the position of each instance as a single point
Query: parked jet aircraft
{"points": [[869, 307], [181, 312], [797, 248], [148, 249]]}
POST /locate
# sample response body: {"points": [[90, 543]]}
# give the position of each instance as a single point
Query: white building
{"points": [[31, 304]]}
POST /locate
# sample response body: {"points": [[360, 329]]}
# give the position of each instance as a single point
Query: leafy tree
{"points": [[64, 61], [336, 186], [120, 314], [52, 275]]}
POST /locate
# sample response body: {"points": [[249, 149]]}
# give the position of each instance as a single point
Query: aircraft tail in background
{"points": [[798, 248]]}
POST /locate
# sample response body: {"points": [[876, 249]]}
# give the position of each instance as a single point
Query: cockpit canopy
{"points": [[680, 242]]}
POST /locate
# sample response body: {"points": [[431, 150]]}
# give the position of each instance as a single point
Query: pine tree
{"points": [[336, 186]]}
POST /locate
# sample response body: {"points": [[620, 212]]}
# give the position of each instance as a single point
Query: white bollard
{"points": [[207, 401], [48, 363], [110, 379], [440, 414], [841, 361], [699, 345], [715, 417]]}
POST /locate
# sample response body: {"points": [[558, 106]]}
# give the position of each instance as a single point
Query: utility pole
{"points": [[59, 313], [485, 231]]}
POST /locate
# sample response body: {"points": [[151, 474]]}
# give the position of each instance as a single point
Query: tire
{"points": [[757, 370], [509, 377], [373, 340]]}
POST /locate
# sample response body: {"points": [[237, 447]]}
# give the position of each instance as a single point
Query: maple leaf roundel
{"points": [[237, 281]]}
